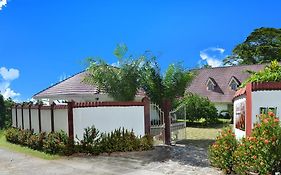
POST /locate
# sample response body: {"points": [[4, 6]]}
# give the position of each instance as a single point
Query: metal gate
{"points": [[157, 129], [178, 124]]}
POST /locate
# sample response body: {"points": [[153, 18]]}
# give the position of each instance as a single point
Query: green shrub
{"points": [[220, 153], [35, 141], [12, 135], [90, 141], [55, 142], [261, 152], [198, 107]]}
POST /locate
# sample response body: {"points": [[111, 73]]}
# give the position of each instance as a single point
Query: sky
{"points": [[43, 42]]}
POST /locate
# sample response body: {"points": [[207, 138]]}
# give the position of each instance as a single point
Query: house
{"points": [[253, 100], [74, 89], [220, 84]]}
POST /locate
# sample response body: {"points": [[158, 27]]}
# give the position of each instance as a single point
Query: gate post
{"points": [[167, 121], [147, 123]]}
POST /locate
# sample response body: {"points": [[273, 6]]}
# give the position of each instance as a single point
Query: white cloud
{"points": [[3, 3], [213, 56], [6, 77], [9, 74], [9, 93]]}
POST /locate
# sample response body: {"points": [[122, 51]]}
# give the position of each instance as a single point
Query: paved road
{"points": [[158, 162]]}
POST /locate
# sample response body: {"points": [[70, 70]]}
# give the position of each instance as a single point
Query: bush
{"points": [[198, 107], [260, 153], [90, 142], [12, 135], [220, 153], [35, 141], [55, 142], [119, 140]]}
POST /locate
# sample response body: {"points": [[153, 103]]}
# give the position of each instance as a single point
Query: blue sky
{"points": [[44, 41]]}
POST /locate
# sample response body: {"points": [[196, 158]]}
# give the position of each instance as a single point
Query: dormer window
{"points": [[234, 83], [211, 84]]}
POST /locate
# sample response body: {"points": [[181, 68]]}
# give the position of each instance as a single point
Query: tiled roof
{"points": [[222, 76], [72, 86]]}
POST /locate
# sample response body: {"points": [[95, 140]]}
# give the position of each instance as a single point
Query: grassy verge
{"points": [[199, 135], [25, 150]]}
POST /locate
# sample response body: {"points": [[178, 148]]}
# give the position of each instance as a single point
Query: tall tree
{"points": [[135, 73], [2, 111], [263, 45]]}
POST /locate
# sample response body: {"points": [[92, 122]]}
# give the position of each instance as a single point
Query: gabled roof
{"points": [[233, 78], [222, 76], [72, 86], [213, 81]]}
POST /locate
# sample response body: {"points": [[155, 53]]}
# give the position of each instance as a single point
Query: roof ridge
{"points": [[58, 83], [222, 67]]}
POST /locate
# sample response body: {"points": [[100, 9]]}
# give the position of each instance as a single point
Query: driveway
{"points": [[177, 160]]}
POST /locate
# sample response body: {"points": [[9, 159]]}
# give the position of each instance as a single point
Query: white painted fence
{"points": [[75, 117]]}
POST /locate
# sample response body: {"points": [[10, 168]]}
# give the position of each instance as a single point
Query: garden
{"points": [[93, 142]]}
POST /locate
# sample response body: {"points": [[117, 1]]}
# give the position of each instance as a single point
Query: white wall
{"points": [[19, 118], [46, 120], [221, 106], [265, 99], [106, 119], [61, 120], [26, 118], [238, 133], [14, 117], [34, 120]]}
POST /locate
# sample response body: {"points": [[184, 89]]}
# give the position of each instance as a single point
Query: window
{"points": [[265, 110], [234, 83], [233, 86], [210, 86]]}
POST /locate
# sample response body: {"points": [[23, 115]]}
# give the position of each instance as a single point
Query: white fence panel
{"points": [[19, 118], [26, 118], [14, 117], [34, 120], [106, 119], [61, 120], [46, 120]]}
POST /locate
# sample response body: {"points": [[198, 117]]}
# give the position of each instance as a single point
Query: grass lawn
{"points": [[199, 135], [25, 150]]}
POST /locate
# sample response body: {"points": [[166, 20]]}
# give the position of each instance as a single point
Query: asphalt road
{"points": [[158, 162]]}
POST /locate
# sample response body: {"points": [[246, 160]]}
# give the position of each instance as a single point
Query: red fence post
{"points": [[167, 121], [52, 117], [146, 106], [70, 106]]}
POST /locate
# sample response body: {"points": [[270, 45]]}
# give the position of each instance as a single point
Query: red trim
{"points": [[266, 86], [248, 109], [102, 104], [52, 117], [70, 120], [167, 121], [146, 106]]}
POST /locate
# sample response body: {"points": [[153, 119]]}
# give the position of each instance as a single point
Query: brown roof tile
{"points": [[222, 76]]}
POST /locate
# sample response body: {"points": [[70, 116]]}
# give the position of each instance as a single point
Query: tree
{"points": [[135, 73], [2, 111], [122, 82], [263, 45], [5, 112], [198, 107], [271, 73]]}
